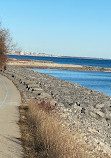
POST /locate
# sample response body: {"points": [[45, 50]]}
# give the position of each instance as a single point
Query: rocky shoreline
{"points": [[85, 110]]}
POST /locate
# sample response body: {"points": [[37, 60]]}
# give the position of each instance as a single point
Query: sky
{"points": [[61, 27]]}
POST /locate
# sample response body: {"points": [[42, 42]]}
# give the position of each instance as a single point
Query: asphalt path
{"points": [[10, 100]]}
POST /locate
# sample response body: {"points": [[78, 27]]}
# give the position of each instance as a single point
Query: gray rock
{"points": [[81, 107], [99, 106]]}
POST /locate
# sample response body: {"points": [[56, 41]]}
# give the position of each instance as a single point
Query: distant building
{"points": [[21, 53]]}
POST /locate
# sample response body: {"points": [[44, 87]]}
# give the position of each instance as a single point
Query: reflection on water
{"points": [[100, 81]]}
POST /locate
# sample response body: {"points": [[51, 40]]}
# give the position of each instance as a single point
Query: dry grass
{"points": [[51, 137], [44, 135]]}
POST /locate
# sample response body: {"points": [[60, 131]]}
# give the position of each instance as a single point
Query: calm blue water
{"points": [[100, 81], [76, 61]]}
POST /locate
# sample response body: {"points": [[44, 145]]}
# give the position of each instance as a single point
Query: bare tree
{"points": [[5, 46]]}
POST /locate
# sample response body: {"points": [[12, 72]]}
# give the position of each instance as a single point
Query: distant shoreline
{"points": [[57, 56], [26, 63]]}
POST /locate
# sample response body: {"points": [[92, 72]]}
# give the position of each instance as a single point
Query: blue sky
{"points": [[60, 27]]}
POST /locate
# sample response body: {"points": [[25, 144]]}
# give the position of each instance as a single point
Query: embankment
{"points": [[85, 110]]}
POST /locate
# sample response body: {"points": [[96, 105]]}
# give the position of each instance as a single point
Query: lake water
{"points": [[100, 81], [76, 61]]}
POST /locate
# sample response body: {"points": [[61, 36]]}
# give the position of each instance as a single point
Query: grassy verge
{"points": [[44, 135]]}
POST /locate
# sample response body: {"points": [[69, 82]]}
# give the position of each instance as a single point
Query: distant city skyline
{"points": [[79, 28]]}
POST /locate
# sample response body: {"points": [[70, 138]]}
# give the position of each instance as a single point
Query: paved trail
{"points": [[10, 99]]}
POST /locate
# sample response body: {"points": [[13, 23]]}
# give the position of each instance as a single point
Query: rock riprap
{"points": [[84, 109]]}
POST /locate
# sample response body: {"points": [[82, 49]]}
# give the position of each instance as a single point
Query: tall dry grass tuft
{"points": [[52, 138]]}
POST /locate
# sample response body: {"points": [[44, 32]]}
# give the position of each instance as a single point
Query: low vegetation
{"points": [[44, 135]]}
